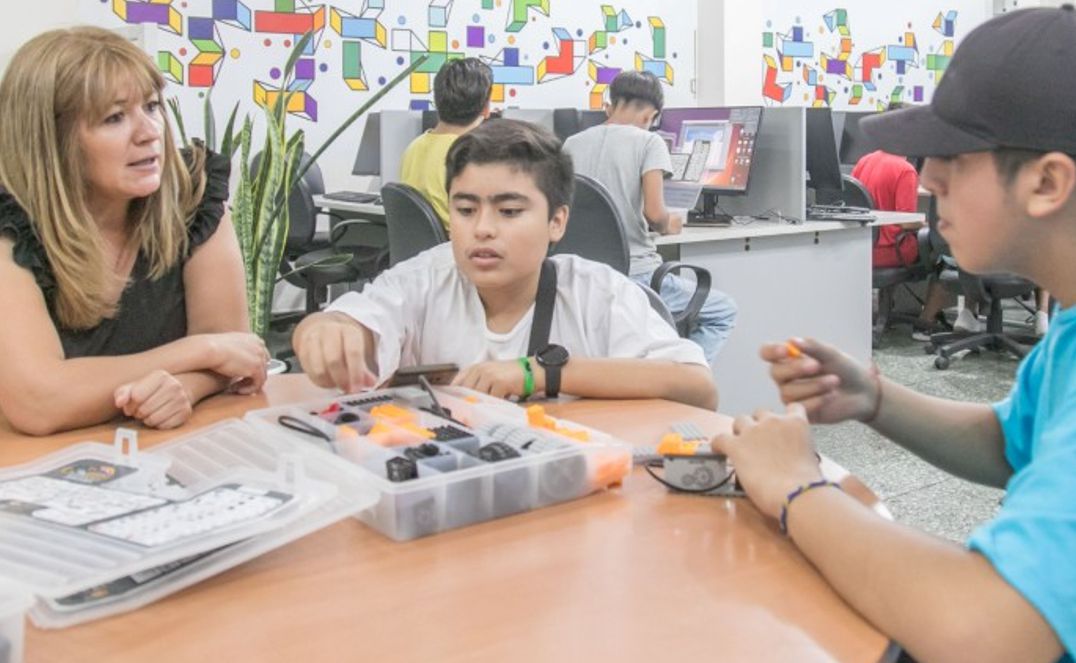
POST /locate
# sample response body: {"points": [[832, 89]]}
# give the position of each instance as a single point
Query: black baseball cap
{"points": [[1011, 83]]}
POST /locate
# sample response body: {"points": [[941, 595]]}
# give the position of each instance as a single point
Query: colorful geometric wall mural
{"points": [[824, 59], [543, 53]]}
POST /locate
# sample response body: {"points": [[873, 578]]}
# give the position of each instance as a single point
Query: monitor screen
{"points": [[823, 168], [368, 159], [852, 144], [565, 122], [729, 135], [591, 118]]}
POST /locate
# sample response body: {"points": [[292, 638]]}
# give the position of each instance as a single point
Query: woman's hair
{"points": [[57, 83]]}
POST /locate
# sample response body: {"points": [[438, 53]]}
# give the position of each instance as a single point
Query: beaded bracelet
{"points": [[528, 379], [807, 487]]}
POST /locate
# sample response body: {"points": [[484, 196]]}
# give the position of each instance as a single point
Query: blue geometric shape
{"points": [[656, 67], [797, 49], [353, 27], [900, 53], [797, 33], [420, 104], [233, 13], [200, 28], [511, 57], [623, 20], [513, 75]]}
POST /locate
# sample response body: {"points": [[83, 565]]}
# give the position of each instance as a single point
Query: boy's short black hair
{"points": [[522, 145], [641, 87], [461, 90]]}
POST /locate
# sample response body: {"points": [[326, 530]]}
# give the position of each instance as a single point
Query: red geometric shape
{"points": [[288, 23], [200, 75], [562, 62], [871, 61]]}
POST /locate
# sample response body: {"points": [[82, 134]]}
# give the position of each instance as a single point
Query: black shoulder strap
{"points": [[543, 308]]}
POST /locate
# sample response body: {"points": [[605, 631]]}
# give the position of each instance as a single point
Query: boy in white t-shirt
{"points": [[471, 302]]}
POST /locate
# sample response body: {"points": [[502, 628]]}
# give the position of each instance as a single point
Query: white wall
{"points": [[25, 22]]}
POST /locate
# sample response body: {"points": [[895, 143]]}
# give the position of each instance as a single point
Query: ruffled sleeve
{"points": [[207, 216], [28, 250]]}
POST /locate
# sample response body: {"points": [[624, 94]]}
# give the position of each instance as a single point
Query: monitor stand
{"points": [[708, 215]]}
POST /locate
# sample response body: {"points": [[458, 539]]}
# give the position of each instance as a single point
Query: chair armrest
{"points": [[703, 281], [341, 227]]}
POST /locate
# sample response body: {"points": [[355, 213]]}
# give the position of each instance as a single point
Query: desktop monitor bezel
{"points": [[369, 144]]}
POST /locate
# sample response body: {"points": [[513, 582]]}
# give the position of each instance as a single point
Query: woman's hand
{"points": [[159, 400]]}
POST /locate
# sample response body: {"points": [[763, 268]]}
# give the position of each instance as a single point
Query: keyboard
{"points": [[354, 197], [681, 197], [839, 209]]}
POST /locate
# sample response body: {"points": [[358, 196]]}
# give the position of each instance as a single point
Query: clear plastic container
{"points": [[14, 602], [479, 458]]}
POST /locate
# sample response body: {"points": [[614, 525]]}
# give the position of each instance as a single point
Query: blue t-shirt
{"points": [[1032, 541]]}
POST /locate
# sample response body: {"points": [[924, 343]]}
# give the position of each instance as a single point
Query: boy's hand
{"points": [[831, 386], [496, 378], [158, 400], [332, 350], [772, 455]]}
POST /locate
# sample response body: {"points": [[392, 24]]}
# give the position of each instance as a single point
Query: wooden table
{"points": [[635, 574]]}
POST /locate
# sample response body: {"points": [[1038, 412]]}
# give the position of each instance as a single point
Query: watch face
{"points": [[552, 355]]}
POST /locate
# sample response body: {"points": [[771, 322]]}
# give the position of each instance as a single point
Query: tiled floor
{"points": [[915, 491]]}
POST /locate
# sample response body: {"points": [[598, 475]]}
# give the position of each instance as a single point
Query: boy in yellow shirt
{"points": [[461, 92]]}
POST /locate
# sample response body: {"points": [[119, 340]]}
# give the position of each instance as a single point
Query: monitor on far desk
{"points": [[823, 168], [726, 136]]}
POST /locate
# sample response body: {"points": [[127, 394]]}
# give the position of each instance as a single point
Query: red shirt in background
{"points": [[894, 186]]}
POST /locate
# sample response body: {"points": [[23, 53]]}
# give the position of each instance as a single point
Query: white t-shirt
{"points": [[425, 311]]}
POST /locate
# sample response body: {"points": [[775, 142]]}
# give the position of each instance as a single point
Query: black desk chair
{"points": [[412, 224], [992, 288], [596, 232], [313, 261]]}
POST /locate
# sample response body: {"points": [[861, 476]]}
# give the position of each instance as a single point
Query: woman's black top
{"points": [[150, 312]]}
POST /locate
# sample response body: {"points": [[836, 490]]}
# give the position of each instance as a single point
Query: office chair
{"points": [[412, 224], [992, 288], [313, 261], [596, 232]]}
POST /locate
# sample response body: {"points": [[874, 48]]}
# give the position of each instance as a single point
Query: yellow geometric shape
{"points": [[438, 41], [119, 7], [597, 96], [947, 47], [175, 21], [541, 70], [786, 63], [336, 21], [207, 58], [356, 84], [909, 39], [497, 93], [420, 83]]}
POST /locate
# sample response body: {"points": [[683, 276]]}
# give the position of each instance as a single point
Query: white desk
{"points": [[348, 209], [811, 280]]}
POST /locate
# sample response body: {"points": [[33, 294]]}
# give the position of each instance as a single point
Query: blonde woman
{"points": [[123, 286]]}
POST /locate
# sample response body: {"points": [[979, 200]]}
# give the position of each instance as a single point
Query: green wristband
{"points": [[528, 378]]}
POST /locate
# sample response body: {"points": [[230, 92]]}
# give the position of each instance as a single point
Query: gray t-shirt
{"points": [[617, 155]]}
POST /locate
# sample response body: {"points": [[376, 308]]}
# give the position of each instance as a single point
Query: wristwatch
{"points": [[552, 357]]}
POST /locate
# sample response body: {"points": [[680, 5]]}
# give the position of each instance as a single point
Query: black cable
{"points": [[647, 466]]}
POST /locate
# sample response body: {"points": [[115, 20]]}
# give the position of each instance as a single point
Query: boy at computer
{"points": [[999, 143], [631, 162], [471, 301], [461, 92]]}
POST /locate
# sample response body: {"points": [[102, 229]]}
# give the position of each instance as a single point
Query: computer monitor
{"points": [[823, 168], [368, 158], [565, 122], [591, 118], [852, 144], [731, 132], [543, 117]]}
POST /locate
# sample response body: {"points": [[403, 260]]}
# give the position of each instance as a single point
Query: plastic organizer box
{"points": [[476, 459], [13, 605]]}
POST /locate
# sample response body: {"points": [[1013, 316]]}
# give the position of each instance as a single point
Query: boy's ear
{"points": [[558, 224], [486, 111], [1053, 185]]}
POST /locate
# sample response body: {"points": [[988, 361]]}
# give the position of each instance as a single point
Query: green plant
{"points": [[259, 202]]}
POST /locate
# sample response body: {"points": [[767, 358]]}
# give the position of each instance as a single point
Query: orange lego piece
{"points": [[673, 444], [392, 412], [345, 432], [793, 350], [472, 399], [577, 435], [418, 430], [537, 418]]}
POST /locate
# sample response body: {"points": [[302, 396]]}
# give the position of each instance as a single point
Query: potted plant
{"points": [[259, 201]]}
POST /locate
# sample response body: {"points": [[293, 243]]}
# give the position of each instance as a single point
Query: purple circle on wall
{"points": [[545, 45], [323, 67], [402, 20], [274, 73], [380, 80], [399, 60]]}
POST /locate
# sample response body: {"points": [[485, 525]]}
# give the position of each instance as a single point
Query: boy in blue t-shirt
{"points": [[999, 139]]}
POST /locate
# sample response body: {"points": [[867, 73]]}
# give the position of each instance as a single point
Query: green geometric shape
{"points": [[601, 39], [287, 6], [170, 65], [487, 4], [857, 91], [897, 94], [432, 65], [519, 13], [842, 17], [207, 46], [610, 18], [938, 62], [767, 40], [352, 59], [659, 43]]}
